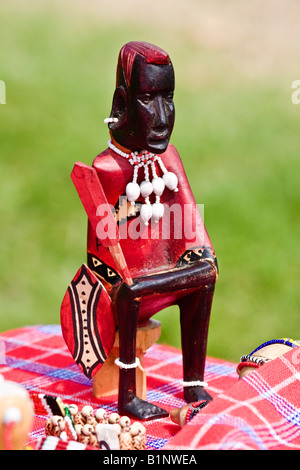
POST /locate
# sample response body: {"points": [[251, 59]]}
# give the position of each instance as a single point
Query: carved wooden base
{"points": [[106, 380]]}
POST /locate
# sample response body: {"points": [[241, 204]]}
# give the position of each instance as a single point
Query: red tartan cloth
{"points": [[37, 358], [259, 412]]}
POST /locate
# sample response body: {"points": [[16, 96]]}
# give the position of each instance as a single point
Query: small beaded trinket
{"points": [[87, 425]]}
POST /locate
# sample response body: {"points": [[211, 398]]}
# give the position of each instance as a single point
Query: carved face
{"points": [[150, 108]]}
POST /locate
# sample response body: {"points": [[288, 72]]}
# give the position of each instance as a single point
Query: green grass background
{"points": [[236, 129]]}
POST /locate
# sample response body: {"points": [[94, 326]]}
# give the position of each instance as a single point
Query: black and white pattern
{"points": [[84, 295]]}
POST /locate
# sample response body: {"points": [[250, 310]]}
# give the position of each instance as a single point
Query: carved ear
{"points": [[119, 109]]}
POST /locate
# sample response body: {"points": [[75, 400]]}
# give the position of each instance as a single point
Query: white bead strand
{"points": [[170, 179], [147, 187], [158, 210], [158, 186], [132, 192], [146, 211]]}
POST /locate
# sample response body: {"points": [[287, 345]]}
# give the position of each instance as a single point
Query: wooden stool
{"points": [[106, 380]]}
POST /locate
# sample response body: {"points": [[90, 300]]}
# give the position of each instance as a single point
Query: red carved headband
{"points": [[152, 54]]}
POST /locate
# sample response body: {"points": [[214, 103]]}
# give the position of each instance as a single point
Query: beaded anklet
{"points": [[194, 383], [122, 365], [194, 409]]}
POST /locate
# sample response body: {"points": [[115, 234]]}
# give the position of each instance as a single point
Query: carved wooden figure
{"points": [[147, 245]]}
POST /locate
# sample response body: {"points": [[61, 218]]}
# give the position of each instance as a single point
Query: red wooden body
{"points": [[157, 249]]}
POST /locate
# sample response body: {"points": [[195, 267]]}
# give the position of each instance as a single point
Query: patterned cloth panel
{"points": [[259, 412]]}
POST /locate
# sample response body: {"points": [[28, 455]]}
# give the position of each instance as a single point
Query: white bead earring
{"points": [[110, 119]]}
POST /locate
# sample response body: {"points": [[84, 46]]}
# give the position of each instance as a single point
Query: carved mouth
{"points": [[157, 136]]}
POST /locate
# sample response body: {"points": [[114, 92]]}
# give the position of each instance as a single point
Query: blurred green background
{"points": [[236, 129]]}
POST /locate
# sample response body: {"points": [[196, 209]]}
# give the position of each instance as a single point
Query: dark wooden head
{"points": [[143, 99]]}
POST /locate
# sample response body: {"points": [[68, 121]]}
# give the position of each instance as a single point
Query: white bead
{"points": [[158, 211], [146, 213], [158, 186], [87, 429], [114, 418], [73, 409], [100, 414], [111, 119], [125, 421], [132, 191], [171, 180], [87, 410], [146, 188]]}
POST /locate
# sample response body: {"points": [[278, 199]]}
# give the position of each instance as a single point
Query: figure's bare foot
{"points": [[142, 410], [194, 394]]}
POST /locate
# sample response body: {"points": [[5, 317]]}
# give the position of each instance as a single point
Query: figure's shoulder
{"points": [[172, 150], [171, 158], [103, 158], [172, 153], [108, 161]]}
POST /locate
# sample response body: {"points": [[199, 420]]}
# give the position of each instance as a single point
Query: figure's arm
{"points": [[93, 198]]}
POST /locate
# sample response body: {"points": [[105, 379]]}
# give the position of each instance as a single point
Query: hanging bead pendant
{"points": [[146, 212], [132, 192], [157, 185], [146, 188], [171, 181]]}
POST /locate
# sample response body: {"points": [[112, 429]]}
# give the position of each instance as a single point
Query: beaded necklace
{"points": [[157, 185], [287, 341]]}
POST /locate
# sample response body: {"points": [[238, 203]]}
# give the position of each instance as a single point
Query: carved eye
{"points": [[145, 99], [169, 98]]}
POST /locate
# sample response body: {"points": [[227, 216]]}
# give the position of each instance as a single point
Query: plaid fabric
{"points": [[37, 358], [260, 412]]}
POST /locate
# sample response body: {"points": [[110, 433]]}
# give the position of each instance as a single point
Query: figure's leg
{"points": [[129, 403], [195, 311]]}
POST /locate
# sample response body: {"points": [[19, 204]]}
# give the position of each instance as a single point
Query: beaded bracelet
{"points": [[194, 409], [247, 364], [287, 341], [257, 359]]}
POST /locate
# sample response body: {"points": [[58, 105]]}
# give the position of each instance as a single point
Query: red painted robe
{"points": [[87, 315], [179, 238]]}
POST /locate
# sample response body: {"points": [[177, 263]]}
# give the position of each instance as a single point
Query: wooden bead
{"points": [[101, 415], [114, 418], [125, 421]]}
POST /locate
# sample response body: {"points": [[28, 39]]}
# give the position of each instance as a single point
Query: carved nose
{"points": [[160, 119]]}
